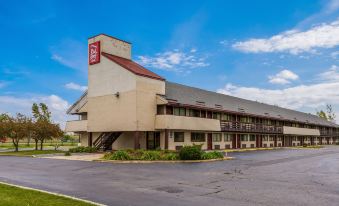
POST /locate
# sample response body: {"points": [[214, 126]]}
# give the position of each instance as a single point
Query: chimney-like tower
{"points": [[111, 45]]}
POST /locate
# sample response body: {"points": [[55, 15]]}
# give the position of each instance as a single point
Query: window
{"points": [[179, 111], [179, 137], [216, 137], [244, 137], [252, 137], [182, 112], [227, 137], [197, 137], [194, 113], [278, 138], [265, 138], [176, 111], [271, 138], [160, 109], [169, 110], [203, 113], [217, 147], [243, 119], [225, 117], [216, 115]]}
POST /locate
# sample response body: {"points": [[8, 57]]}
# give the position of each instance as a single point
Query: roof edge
{"points": [[107, 55], [110, 37], [75, 103]]}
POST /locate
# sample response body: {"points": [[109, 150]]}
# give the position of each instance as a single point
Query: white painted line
{"points": [[52, 193]]}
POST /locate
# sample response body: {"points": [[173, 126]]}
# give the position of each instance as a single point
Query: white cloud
{"points": [[70, 53], [175, 60], [305, 97], [75, 86], [293, 41], [331, 75], [283, 77], [57, 106]]}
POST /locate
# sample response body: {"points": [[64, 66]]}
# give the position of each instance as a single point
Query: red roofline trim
{"points": [[132, 66]]}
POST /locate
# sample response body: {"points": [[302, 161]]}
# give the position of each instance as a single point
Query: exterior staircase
{"points": [[105, 140]]}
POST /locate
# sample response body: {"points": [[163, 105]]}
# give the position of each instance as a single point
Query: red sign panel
{"points": [[94, 53]]}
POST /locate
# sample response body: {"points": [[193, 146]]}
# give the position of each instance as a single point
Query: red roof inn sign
{"points": [[94, 53]]}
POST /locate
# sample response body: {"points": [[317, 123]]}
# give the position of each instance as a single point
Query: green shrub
{"points": [[82, 149], [212, 155], [150, 155], [68, 153], [190, 152], [120, 155], [170, 156]]}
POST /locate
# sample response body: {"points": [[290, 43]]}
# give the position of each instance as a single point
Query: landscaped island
{"points": [[186, 153]]}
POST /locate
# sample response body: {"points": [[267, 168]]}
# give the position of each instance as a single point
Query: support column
{"points": [[275, 141], [166, 139], [238, 141], [136, 140], [283, 141], [90, 139]]}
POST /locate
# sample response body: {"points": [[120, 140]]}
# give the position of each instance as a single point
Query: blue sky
{"points": [[279, 52]]}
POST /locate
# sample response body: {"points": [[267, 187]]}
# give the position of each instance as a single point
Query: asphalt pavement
{"points": [[278, 177]]}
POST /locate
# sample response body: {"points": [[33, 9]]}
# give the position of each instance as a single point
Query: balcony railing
{"points": [[328, 133], [233, 126]]}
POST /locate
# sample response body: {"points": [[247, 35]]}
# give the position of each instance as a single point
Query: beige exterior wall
{"points": [[84, 139], [186, 123], [109, 113], [146, 102], [113, 46], [108, 78], [126, 141], [300, 131], [76, 126]]}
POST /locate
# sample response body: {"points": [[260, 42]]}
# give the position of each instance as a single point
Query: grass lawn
{"points": [[30, 153], [9, 145], [14, 196]]}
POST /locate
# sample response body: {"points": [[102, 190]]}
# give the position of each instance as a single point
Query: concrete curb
{"points": [[52, 193], [251, 149], [161, 161]]}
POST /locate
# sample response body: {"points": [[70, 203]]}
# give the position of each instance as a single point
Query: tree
{"points": [[43, 128], [322, 114], [15, 128], [3, 127], [41, 112], [329, 115]]}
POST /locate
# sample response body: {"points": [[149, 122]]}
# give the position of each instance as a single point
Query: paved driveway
{"points": [[281, 177]]}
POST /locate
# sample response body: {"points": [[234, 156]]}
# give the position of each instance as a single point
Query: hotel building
{"points": [[128, 106]]}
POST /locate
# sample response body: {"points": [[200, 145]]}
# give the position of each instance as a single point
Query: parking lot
{"points": [[278, 177]]}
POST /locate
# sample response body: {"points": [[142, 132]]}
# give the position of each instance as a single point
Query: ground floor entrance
{"points": [[152, 140]]}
